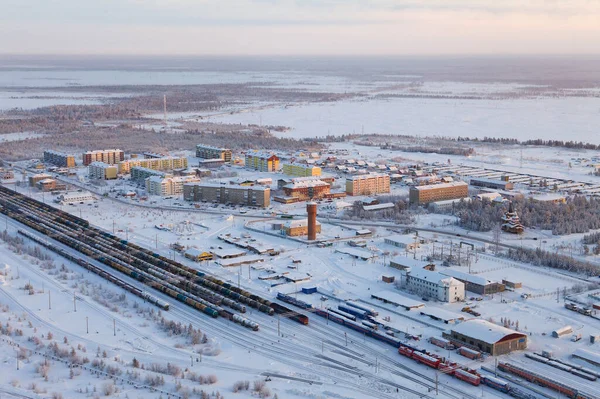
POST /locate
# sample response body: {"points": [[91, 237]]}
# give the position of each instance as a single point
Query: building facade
{"points": [[167, 163], [262, 161], [102, 171], [301, 170], [295, 228], [228, 193], [140, 174], [487, 337], [368, 184], [305, 190], [33, 180], [438, 192], [491, 183], [435, 285], [110, 157], [157, 185], [59, 159], [210, 152]]}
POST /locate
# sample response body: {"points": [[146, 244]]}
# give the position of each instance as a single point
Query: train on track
{"points": [[544, 381], [195, 288]]}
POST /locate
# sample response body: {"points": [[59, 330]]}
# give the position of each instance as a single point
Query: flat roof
{"points": [[485, 331], [385, 205], [355, 252], [442, 314], [441, 185], [591, 357], [241, 260], [434, 277], [401, 238], [466, 277], [397, 299], [227, 252]]}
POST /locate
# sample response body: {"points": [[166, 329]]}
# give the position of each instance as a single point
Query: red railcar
{"points": [[405, 351], [426, 359], [471, 377]]}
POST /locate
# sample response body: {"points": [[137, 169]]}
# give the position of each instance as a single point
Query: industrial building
{"points": [[212, 163], [167, 163], [72, 198], [210, 152], [33, 180], [491, 183], [228, 193], [197, 256], [486, 337], [473, 283], [262, 161], [110, 157], [59, 159], [295, 228], [50, 185], [438, 192], [406, 242], [368, 184], [164, 186], [301, 170], [140, 174], [308, 189], [435, 285], [102, 171]]}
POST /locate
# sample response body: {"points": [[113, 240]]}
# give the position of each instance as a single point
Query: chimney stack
{"points": [[311, 209]]}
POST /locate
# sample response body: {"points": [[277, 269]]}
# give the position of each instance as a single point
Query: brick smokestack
{"points": [[311, 209]]}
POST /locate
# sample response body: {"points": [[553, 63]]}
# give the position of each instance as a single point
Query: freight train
{"points": [[108, 276], [547, 382], [127, 258]]}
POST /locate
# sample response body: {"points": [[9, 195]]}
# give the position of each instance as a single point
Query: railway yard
{"points": [[309, 341]]}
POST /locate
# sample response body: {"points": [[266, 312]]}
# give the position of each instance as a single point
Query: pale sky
{"points": [[303, 27]]}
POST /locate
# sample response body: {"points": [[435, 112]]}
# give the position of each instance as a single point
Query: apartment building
{"points": [[434, 285], [301, 170], [210, 152], [102, 171], [368, 184], [227, 193], [59, 159], [110, 157], [140, 174], [438, 192], [262, 161], [308, 189], [157, 185], [167, 163]]}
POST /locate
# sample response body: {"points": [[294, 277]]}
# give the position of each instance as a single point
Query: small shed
{"points": [[560, 332]]}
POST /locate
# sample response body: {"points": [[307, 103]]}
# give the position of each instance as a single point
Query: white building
{"points": [[435, 285], [405, 241], [72, 198], [173, 185]]}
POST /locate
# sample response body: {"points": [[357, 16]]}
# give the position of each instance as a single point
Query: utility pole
{"points": [[436, 383], [278, 327], [87, 326], [346, 337], [115, 327], [49, 301], [156, 241], [74, 303]]}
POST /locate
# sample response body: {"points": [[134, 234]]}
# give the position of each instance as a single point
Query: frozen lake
{"points": [[568, 118]]}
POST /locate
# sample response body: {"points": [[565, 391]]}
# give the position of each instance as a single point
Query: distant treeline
{"points": [[536, 142], [553, 260]]}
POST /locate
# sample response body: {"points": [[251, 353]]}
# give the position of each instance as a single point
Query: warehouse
{"points": [[197, 255], [486, 337], [476, 284], [491, 183]]}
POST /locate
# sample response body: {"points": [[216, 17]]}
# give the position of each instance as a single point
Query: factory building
{"points": [[491, 183], [164, 186], [227, 194], [262, 161], [295, 228], [473, 283], [59, 159], [210, 152], [301, 170], [50, 185], [211, 163], [102, 171], [140, 174], [368, 184], [110, 157], [167, 163], [283, 182], [435, 285], [486, 337], [438, 192]]}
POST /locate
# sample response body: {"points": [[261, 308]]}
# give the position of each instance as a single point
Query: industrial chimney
{"points": [[311, 209]]}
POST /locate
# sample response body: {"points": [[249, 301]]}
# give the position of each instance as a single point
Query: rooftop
{"points": [[435, 277], [441, 185], [290, 224], [466, 277], [367, 176], [485, 331]]}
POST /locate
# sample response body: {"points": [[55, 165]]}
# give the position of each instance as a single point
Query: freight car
{"points": [[362, 314], [289, 313], [544, 381], [469, 353], [291, 300], [370, 311], [470, 376], [343, 314]]}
